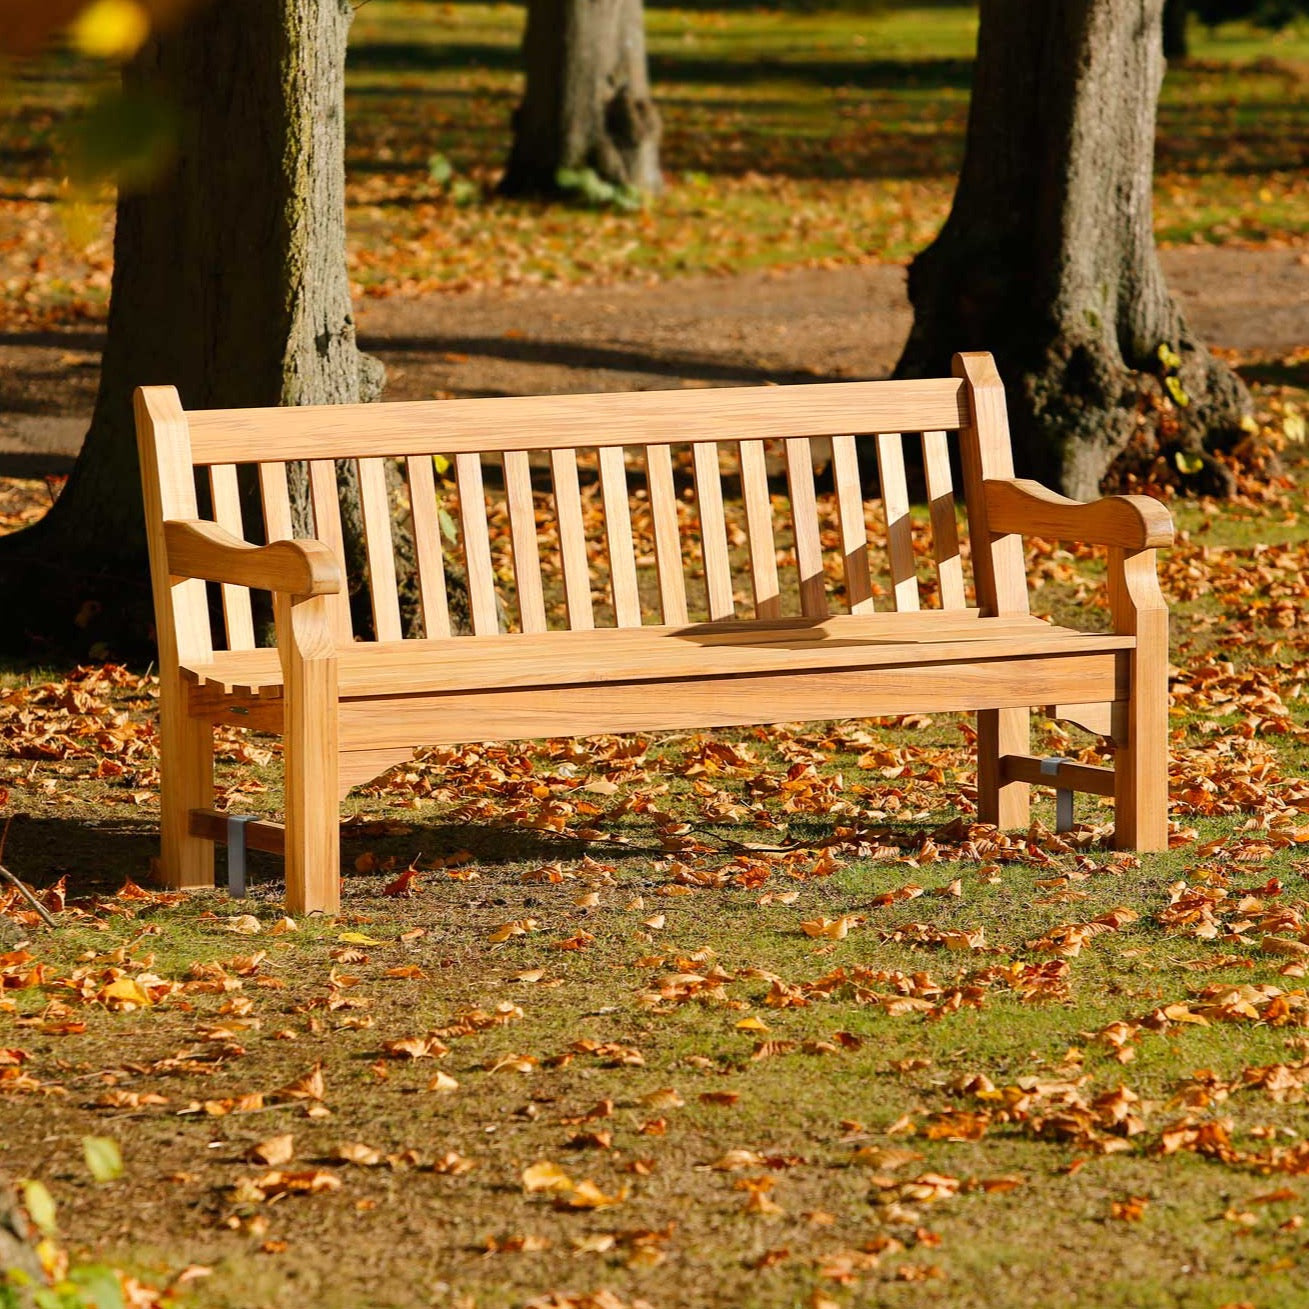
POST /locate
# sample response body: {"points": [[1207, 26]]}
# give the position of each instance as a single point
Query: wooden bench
{"points": [[348, 709]]}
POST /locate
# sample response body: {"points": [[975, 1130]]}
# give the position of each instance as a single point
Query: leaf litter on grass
{"points": [[813, 1030]]}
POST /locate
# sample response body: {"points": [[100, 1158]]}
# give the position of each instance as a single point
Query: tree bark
{"points": [[229, 281], [1048, 260], [586, 99], [1175, 42]]}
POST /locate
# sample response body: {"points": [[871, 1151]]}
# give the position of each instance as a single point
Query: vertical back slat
{"points": [[854, 531], [428, 552], [899, 528], [276, 499], [759, 528], [227, 514], [804, 519], [572, 539], [477, 544], [327, 529], [668, 540], [527, 551], [713, 530], [376, 505], [618, 535], [945, 528]]}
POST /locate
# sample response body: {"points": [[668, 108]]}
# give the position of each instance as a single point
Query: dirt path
{"points": [[758, 327]]}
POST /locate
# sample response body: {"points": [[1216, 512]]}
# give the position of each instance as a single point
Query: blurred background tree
{"points": [[586, 111]]}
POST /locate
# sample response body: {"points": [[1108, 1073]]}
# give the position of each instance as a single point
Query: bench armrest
{"points": [[1124, 522], [207, 551]]}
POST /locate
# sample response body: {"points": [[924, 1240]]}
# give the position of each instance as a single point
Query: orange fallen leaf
{"points": [[275, 1151]]}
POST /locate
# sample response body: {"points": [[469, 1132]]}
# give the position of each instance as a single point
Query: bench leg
{"points": [[1141, 762], [186, 782], [1005, 805], [313, 839]]}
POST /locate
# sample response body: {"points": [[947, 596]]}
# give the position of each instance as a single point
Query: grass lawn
{"points": [[790, 138], [751, 1018]]}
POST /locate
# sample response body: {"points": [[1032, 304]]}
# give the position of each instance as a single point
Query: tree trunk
{"points": [[1175, 43], [1048, 260], [586, 101], [229, 281]]}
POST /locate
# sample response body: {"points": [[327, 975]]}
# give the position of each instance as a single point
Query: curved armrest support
{"points": [[1124, 522], [207, 551]]}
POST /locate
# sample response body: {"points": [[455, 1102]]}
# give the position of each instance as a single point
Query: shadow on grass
{"points": [[665, 69], [97, 854], [1269, 372], [34, 464], [569, 354]]}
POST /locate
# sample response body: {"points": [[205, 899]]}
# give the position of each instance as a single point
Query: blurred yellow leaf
{"points": [[110, 29], [103, 1160], [40, 1206]]}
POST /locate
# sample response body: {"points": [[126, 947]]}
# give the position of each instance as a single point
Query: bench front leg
{"points": [[1141, 762], [310, 732], [186, 782]]}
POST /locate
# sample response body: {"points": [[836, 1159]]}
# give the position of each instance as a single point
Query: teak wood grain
{"points": [[348, 709], [652, 654], [449, 427], [424, 516], [667, 533]]}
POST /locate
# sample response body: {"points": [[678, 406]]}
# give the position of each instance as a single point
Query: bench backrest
{"points": [[656, 437]]}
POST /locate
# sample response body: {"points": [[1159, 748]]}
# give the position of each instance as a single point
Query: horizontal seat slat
{"points": [[528, 713], [530, 423], [665, 653], [396, 724]]}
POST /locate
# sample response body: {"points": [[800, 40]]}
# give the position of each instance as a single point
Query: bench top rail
{"points": [[638, 418]]}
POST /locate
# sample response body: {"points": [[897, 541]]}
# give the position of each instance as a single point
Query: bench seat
{"points": [[661, 654]]}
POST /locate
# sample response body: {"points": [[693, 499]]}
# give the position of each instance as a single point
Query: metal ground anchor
{"points": [[236, 854], [1063, 796]]}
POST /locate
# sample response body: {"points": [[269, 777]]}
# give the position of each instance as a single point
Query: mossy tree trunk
{"points": [[229, 282], [586, 99], [1047, 258]]}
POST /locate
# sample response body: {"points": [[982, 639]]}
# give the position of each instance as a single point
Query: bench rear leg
{"points": [[186, 782], [1005, 805], [310, 736]]}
